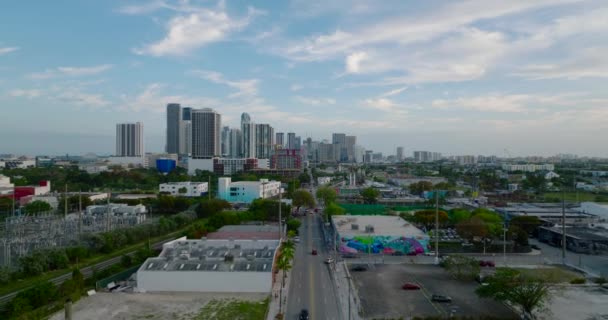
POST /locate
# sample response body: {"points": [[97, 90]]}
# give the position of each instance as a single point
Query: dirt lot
{"points": [[150, 306], [381, 295]]}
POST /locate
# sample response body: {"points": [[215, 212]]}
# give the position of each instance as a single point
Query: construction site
{"points": [[20, 235]]}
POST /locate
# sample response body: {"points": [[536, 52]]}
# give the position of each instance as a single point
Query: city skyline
{"points": [[518, 75]]}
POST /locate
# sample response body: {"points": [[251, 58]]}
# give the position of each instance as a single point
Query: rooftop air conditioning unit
{"points": [[354, 226], [369, 228]]}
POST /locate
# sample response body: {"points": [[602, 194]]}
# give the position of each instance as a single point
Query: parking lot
{"points": [[381, 296]]}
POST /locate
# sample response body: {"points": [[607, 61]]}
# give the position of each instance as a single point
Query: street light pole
{"points": [[280, 218], [436, 227], [563, 227], [504, 243], [348, 279]]}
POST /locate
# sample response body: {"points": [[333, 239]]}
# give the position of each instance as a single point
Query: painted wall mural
{"points": [[384, 244]]}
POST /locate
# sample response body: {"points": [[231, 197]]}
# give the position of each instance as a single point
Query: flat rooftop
{"points": [[214, 255], [583, 233], [246, 232], [383, 226]]}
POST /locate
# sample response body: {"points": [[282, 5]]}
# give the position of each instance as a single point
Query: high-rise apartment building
{"points": [[206, 132], [234, 143], [328, 152], [248, 134], [130, 139], [264, 140], [174, 127], [185, 138], [426, 156], [225, 141], [339, 139], [350, 142], [291, 140], [399, 153], [280, 139]]}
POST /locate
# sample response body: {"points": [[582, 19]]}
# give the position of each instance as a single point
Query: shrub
{"points": [[578, 281], [600, 280]]}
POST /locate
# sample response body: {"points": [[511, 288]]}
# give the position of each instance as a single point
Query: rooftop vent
{"points": [[150, 265], [248, 266], [369, 228], [181, 266], [214, 267], [198, 266], [354, 226]]}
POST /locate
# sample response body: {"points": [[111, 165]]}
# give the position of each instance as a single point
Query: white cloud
{"points": [[315, 101], [69, 72], [385, 105], [295, 87], [592, 62], [5, 50], [353, 61], [248, 87], [26, 93], [152, 98], [148, 7], [393, 92], [197, 28]]}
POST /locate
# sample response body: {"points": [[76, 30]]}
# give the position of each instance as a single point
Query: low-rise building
{"points": [[51, 200], [6, 187], [129, 162], [19, 163], [204, 265], [323, 180], [530, 167], [247, 191], [117, 209], [378, 234], [42, 188], [549, 213], [184, 189], [590, 240]]}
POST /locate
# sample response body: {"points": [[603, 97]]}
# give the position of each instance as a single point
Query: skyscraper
{"points": [[280, 139], [174, 127], [399, 153], [248, 133], [185, 138], [225, 141], [291, 140], [186, 114], [206, 127], [350, 142], [130, 139], [340, 140], [264, 137], [234, 142]]}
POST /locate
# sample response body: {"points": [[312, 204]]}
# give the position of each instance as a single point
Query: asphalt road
{"points": [[311, 286]]}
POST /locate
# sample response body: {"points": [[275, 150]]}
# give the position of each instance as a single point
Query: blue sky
{"points": [[459, 77]]}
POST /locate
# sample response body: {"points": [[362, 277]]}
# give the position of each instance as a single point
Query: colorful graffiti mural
{"points": [[384, 244]]}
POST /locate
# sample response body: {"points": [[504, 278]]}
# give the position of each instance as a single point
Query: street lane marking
{"points": [[440, 310]]}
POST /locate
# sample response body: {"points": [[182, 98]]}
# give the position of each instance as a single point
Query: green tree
{"points": [[293, 225], [458, 215], [5, 275], [210, 207], [302, 197], [327, 194], [420, 186], [370, 195], [461, 267], [333, 210], [37, 207], [526, 223], [472, 228], [492, 219], [427, 217], [126, 261], [290, 234], [508, 285]]}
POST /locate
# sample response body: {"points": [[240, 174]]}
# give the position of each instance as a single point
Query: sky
{"points": [[490, 77]]}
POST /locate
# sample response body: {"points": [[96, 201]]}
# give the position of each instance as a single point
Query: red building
{"points": [[286, 159]]}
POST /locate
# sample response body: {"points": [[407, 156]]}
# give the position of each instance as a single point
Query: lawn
{"points": [[232, 309], [553, 275]]}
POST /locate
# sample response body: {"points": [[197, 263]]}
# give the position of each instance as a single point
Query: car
{"points": [[490, 264], [535, 247], [304, 315], [410, 286], [296, 239], [359, 268], [441, 298], [482, 263], [314, 252], [429, 253]]}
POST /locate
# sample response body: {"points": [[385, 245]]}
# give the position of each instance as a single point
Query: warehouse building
{"points": [[378, 234], [247, 191], [204, 265]]}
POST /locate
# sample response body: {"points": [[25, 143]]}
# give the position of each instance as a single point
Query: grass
{"points": [[570, 196], [552, 275], [25, 283], [232, 309]]}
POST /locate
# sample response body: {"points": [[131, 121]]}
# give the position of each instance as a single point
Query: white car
{"points": [[329, 260], [430, 253], [296, 239]]}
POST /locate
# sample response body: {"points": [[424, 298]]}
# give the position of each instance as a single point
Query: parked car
{"points": [[296, 239], [429, 253], [486, 263], [441, 298], [359, 268], [314, 252], [304, 315], [410, 286], [329, 260], [535, 247]]}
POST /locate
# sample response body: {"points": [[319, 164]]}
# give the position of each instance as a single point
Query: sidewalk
{"points": [[273, 306], [341, 276]]}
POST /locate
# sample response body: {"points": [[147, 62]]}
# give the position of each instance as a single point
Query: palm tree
{"points": [[283, 264]]}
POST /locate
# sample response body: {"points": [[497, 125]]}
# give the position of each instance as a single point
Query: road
{"points": [[311, 286], [86, 272]]}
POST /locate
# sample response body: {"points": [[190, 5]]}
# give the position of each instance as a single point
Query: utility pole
{"points": [[65, 196], [209, 188], [563, 227], [504, 243], [436, 227], [280, 216], [348, 279], [79, 215]]}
